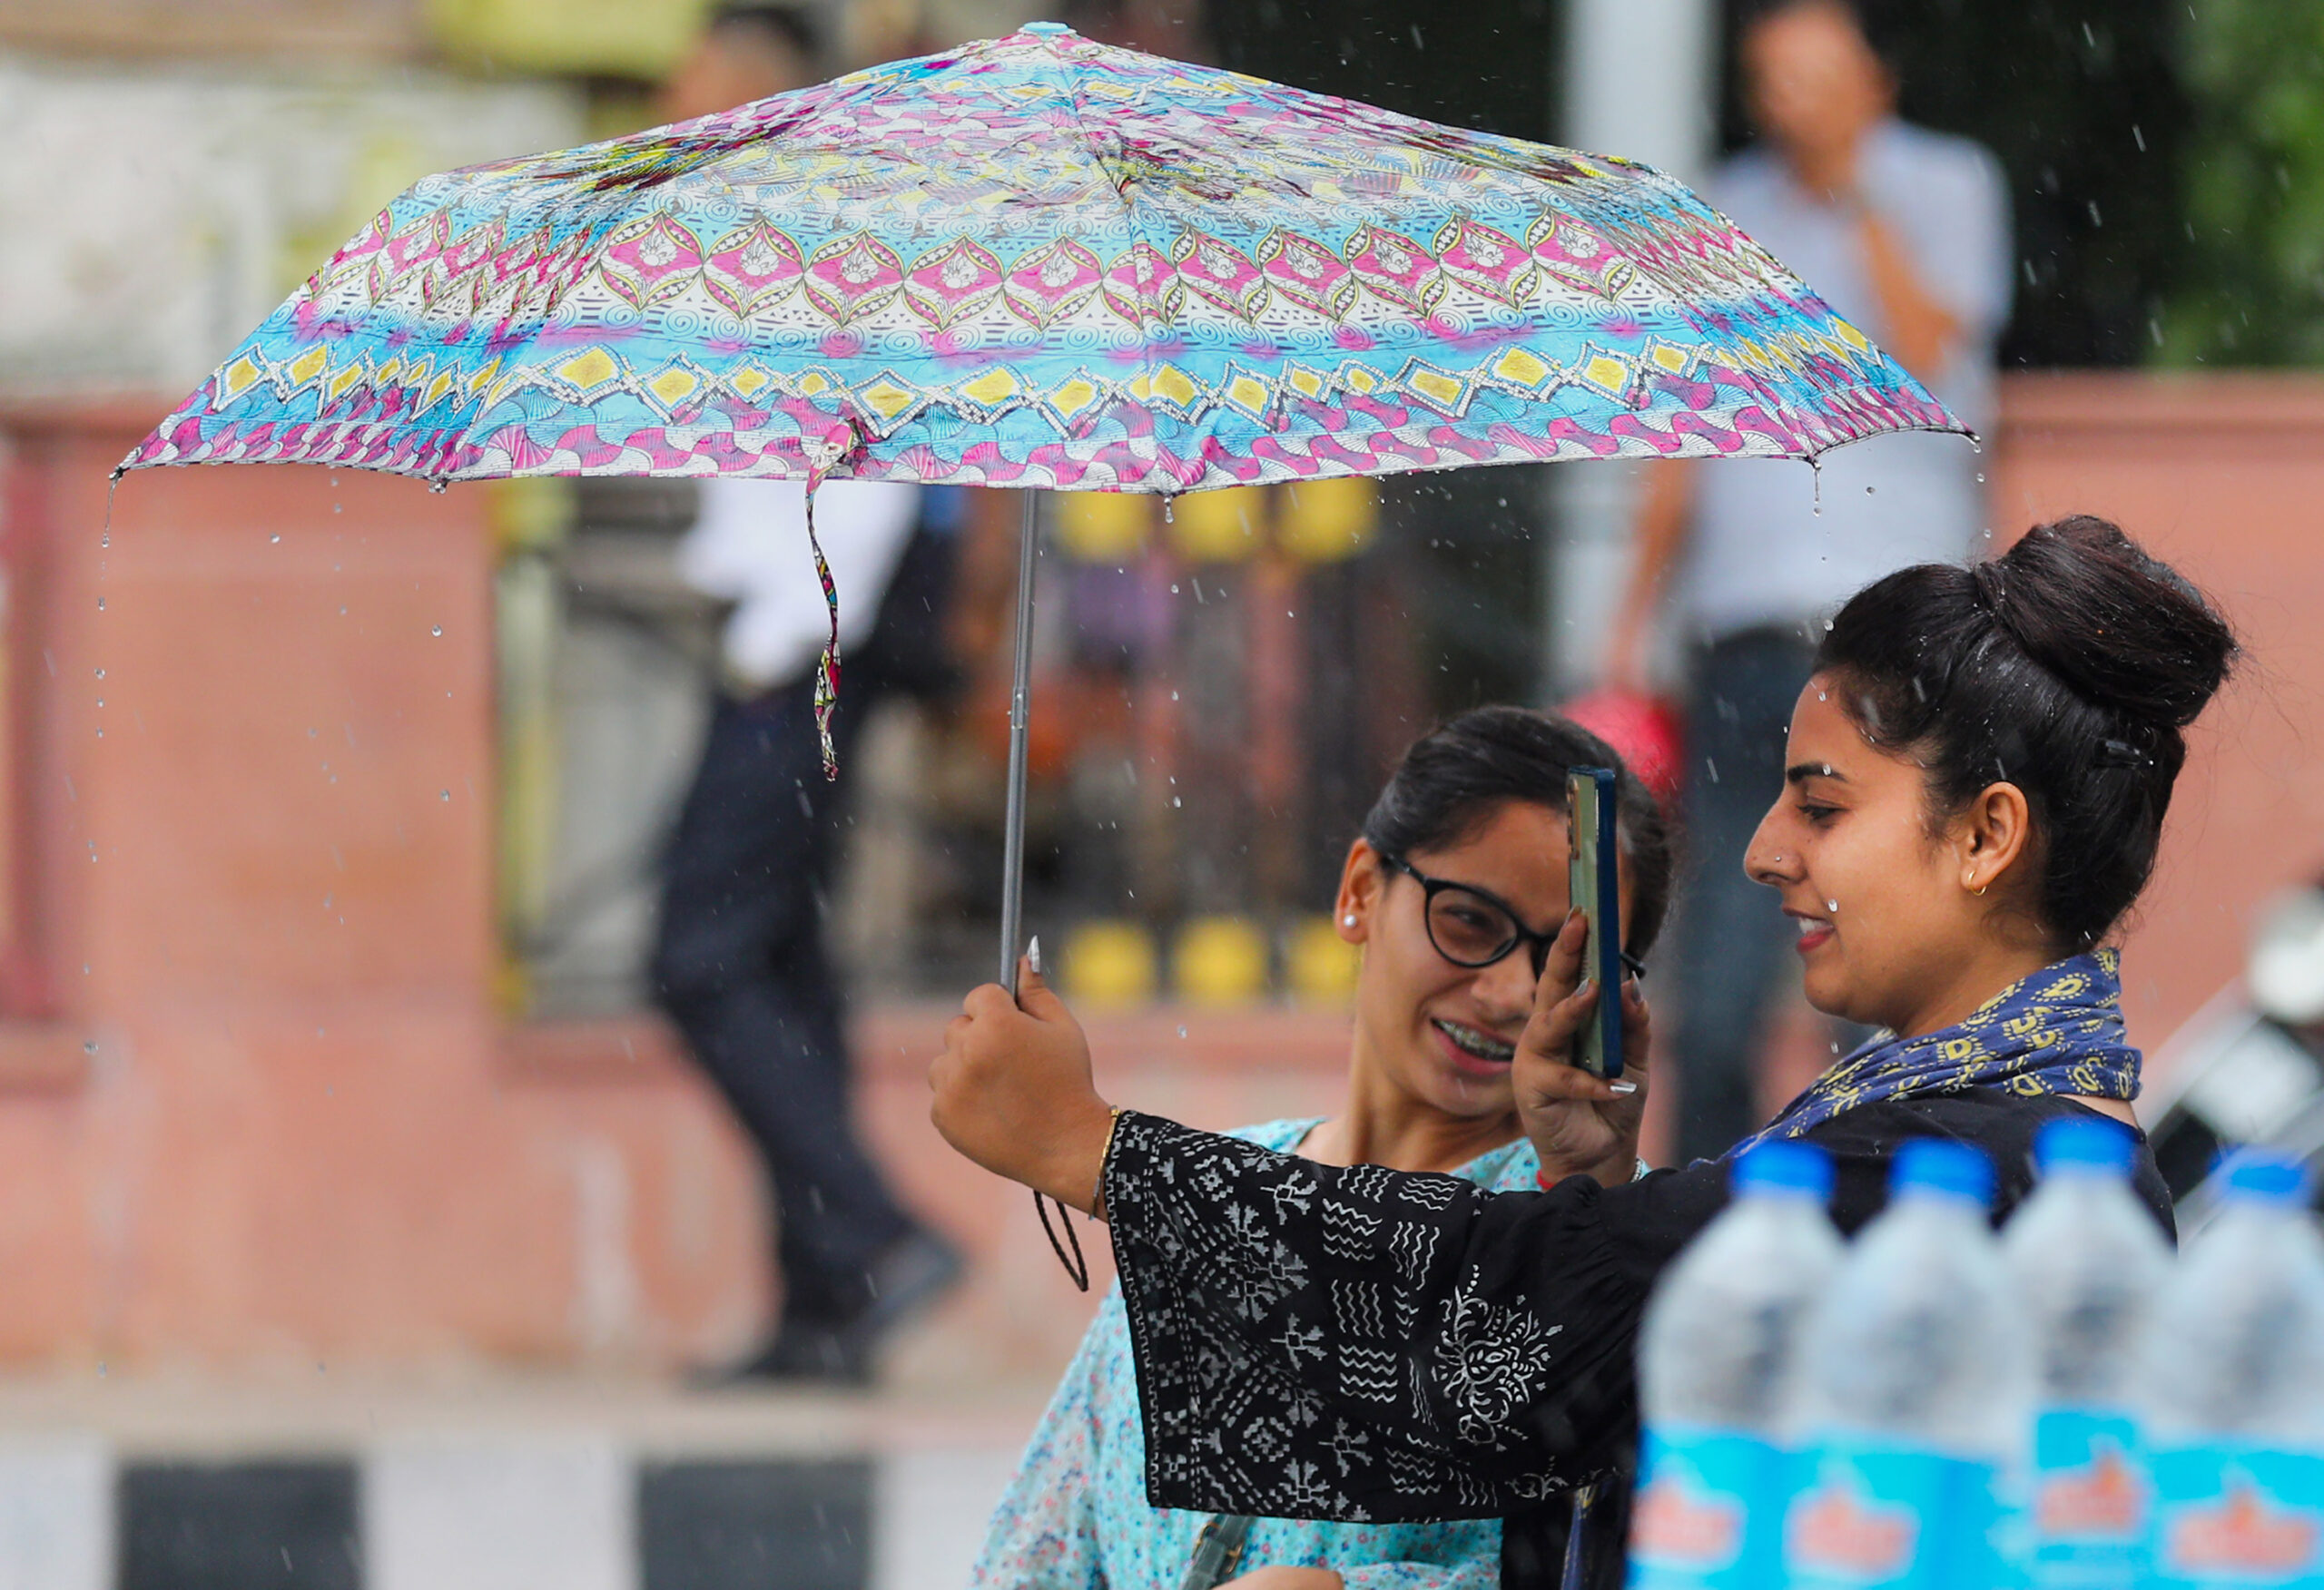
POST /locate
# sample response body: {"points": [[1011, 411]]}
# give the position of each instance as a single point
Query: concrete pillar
{"points": [[1641, 82]]}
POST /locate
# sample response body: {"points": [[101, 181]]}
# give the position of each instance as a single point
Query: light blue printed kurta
{"points": [[1075, 1516]]}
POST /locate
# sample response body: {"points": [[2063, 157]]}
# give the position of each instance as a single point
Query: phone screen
{"points": [[1594, 887]]}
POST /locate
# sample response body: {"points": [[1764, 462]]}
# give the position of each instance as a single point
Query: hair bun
{"points": [[2119, 628]]}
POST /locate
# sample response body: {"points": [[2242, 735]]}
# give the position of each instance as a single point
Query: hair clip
{"points": [[2121, 754]]}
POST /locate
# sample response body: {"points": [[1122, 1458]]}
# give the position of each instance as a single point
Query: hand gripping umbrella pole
{"points": [[1012, 862]]}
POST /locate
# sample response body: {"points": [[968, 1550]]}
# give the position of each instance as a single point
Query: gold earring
{"points": [[1979, 891]]}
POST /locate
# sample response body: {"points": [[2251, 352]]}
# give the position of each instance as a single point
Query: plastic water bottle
{"points": [[2089, 1261], [1716, 1357], [2234, 1383], [1913, 1394]]}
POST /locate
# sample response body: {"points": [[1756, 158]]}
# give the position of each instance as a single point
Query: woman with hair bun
{"points": [[1974, 791]]}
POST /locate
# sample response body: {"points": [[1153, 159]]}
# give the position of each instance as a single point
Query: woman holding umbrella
{"points": [[1462, 851], [1976, 782]]}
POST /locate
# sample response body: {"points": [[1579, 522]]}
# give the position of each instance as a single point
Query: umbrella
{"points": [[1039, 261]]}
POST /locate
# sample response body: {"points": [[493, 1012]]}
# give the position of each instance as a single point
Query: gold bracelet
{"points": [[1098, 1203]]}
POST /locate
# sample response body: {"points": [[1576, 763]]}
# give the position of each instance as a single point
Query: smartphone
{"points": [[1594, 885]]}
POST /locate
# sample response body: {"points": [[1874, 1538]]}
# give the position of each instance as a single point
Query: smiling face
{"points": [[1440, 1034], [1893, 929]]}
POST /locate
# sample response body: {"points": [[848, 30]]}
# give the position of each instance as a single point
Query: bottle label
{"points": [[1707, 1510], [2229, 1515], [1876, 1516], [2092, 1501]]}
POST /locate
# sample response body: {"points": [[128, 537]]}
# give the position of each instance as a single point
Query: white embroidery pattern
{"points": [[1489, 1363]]}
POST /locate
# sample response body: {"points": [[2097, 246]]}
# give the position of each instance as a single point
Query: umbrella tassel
{"points": [[827, 668]]}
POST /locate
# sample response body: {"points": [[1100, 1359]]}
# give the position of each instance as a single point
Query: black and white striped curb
{"points": [[535, 1513]]}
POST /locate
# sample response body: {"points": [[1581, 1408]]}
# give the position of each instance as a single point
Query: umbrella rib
{"points": [[1068, 81]]}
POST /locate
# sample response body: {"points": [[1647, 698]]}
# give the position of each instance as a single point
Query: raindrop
{"points": [[447, 795], [437, 630], [101, 673], [89, 1046], [1174, 590], [101, 700], [1176, 802], [1828, 630], [438, 487], [1870, 489], [101, 604], [1832, 906], [338, 507], [275, 539], [1170, 507], [2138, 136], [1981, 477], [1182, 1031], [1174, 695], [1822, 697], [105, 539]]}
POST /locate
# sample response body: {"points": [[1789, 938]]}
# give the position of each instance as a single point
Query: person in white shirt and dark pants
{"points": [[1905, 232]]}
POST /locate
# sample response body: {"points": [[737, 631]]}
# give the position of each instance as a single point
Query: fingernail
{"points": [[1033, 956], [1623, 1088]]}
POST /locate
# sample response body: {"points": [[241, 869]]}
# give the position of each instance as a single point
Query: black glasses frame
{"points": [[1537, 944]]}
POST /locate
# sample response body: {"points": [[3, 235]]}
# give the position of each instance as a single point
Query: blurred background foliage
{"points": [[2252, 186]]}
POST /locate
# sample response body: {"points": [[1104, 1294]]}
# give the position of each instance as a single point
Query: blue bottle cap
{"points": [[2259, 1176], [1940, 1165], [2085, 1145], [1783, 1167]]}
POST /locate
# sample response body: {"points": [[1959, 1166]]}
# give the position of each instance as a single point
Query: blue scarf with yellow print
{"points": [[2059, 1031]]}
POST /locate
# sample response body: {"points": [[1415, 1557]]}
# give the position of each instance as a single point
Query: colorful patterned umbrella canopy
{"points": [[1042, 262]]}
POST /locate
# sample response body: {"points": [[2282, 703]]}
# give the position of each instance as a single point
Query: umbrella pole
{"points": [[1013, 859], [1012, 863]]}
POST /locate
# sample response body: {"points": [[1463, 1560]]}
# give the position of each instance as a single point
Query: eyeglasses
{"points": [[1472, 929]]}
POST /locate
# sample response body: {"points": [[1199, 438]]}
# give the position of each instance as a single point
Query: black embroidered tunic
{"points": [[1364, 1344]]}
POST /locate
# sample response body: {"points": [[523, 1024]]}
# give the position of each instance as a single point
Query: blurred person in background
{"points": [[741, 963], [1452, 891], [1905, 232]]}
